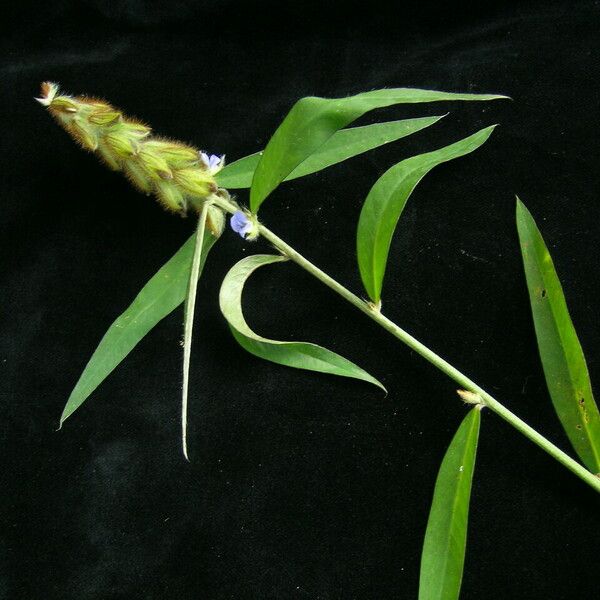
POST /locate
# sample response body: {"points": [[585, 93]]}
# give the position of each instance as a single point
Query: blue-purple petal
{"points": [[240, 223], [204, 158], [246, 229]]}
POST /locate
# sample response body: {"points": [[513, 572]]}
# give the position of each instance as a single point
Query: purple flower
{"points": [[241, 224], [213, 162]]}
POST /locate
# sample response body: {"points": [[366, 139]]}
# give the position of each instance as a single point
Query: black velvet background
{"points": [[301, 485]]}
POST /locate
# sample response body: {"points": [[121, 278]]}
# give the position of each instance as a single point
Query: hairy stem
{"points": [[465, 382]]}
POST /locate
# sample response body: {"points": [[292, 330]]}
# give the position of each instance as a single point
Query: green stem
{"points": [[465, 382]]}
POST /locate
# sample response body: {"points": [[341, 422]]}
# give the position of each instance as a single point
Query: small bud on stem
{"points": [[471, 398]]}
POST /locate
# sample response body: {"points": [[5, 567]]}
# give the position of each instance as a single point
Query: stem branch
{"points": [[374, 313]]}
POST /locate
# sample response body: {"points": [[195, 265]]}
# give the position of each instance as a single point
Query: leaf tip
{"points": [[486, 132], [64, 416], [368, 378], [498, 97], [520, 209]]}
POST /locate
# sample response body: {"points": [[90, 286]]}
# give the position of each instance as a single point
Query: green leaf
{"points": [[301, 355], [342, 145], [564, 364], [312, 121], [164, 292], [443, 555], [386, 201], [188, 320]]}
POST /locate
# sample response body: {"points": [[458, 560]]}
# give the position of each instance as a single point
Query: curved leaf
{"points": [[386, 201], [343, 144], [443, 555], [301, 355], [164, 292], [188, 319], [312, 121], [563, 360]]}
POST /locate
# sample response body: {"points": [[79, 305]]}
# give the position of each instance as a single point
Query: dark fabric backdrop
{"points": [[300, 485]]}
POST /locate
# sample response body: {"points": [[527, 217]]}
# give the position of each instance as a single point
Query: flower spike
{"points": [[179, 176]]}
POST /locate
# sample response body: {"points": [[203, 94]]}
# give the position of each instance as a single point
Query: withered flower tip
{"points": [[48, 91]]}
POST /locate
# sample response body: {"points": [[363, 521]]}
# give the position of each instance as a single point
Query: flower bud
{"points": [[104, 116], [469, 397], [215, 220], [177, 155], [63, 105], [138, 177], [154, 164], [83, 133], [121, 145], [111, 160], [136, 129], [196, 182], [171, 197]]}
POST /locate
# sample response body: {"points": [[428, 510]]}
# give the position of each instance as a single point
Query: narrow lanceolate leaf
{"points": [[443, 555], [160, 296], [342, 145], [386, 201], [564, 364], [301, 355], [188, 321], [312, 121]]}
